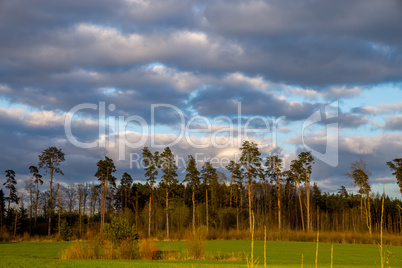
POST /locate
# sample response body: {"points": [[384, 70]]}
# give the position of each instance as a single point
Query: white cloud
{"points": [[12, 113], [44, 119], [238, 79]]}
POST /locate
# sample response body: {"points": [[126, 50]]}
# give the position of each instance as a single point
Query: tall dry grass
{"points": [[149, 250], [338, 237], [102, 248], [196, 245]]}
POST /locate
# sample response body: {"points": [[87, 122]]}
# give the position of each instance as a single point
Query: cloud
{"points": [[276, 58], [332, 93], [259, 38], [375, 151], [44, 119], [379, 109], [213, 101], [393, 122]]}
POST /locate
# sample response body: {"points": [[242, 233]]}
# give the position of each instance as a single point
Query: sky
{"points": [[201, 77]]}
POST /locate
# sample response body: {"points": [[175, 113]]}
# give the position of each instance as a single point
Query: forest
{"points": [[165, 208]]}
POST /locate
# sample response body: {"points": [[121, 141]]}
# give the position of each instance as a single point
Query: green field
{"points": [[280, 254]]}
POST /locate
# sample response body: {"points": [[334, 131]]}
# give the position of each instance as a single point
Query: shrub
{"points": [[65, 231], [148, 250], [76, 251], [196, 245], [128, 250], [196, 248], [120, 229], [120, 241]]}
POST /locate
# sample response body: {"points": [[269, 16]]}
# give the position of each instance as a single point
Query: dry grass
{"points": [[196, 245], [148, 250], [171, 254], [196, 248], [337, 237], [102, 249]]}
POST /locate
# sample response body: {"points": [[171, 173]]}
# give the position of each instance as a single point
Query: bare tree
{"points": [[82, 190], [30, 188], [38, 180], [60, 201], [71, 197]]}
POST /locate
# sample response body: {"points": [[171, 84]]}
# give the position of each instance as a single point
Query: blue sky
{"points": [[277, 58]]}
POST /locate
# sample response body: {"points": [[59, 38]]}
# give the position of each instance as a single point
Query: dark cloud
{"points": [[350, 120], [364, 110], [393, 122], [316, 43], [202, 57], [375, 151], [214, 101]]}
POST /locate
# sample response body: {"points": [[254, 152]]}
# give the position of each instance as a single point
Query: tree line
{"points": [[279, 199]]}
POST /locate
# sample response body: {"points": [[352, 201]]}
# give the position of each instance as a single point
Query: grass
{"points": [[279, 254]]}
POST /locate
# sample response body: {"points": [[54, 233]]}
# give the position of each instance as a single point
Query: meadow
{"points": [[279, 254]]}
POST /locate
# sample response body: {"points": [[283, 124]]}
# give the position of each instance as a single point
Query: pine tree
{"points": [[169, 181], [151, 168], [126, 182], [274, 171], [295, 172], [104, 174], [360, 175], [193, 179], [251, 162], [231, 169], [306, 161], [396, 166], [10, 185], [209, 175], [50, 160]]}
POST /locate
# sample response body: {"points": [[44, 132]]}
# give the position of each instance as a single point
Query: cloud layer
{"points": [[277, 58]]}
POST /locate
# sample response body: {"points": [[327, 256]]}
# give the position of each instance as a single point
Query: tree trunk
{"points": [[149, 213], [15, 225], [59, 204], [105, 196], [79, 211], [30, 210], [308, 200], [102, 206], [237, 211], [361, 209], [126, 196], [193, 199], [231, 183], [36, 202], [167, 214], [206, 206], [136, 210], [278, 188], [249, 205], [368, 213], [301, 205], [50, 202], [9, 200]]}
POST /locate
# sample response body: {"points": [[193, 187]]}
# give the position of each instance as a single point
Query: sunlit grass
{"points": [[279, 254]]}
